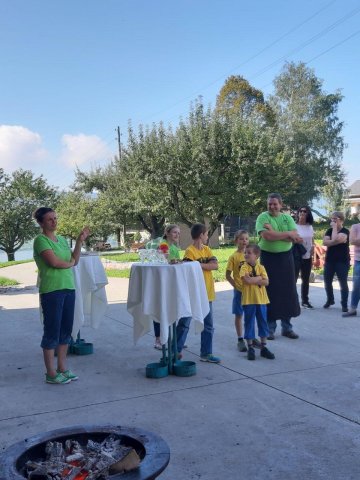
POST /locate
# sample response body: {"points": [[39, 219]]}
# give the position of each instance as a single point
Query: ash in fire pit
{"points": [[73, 461], [69, 446]]}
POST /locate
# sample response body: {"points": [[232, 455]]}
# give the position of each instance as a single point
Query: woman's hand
{"points": [[268, 226], [85, 232]]}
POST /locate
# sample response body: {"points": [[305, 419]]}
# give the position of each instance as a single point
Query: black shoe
{"points": [[264, 352], [306, 305], [290, 334], [251, 354], [329, 303], [271, 336], [349, 313]]}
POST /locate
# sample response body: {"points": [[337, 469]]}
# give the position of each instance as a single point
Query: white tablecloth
{"points": [[165, 293], [91, 301]]}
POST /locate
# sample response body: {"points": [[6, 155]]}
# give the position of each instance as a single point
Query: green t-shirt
{"points": [[281, 223], [174, 252], [52, 279]]}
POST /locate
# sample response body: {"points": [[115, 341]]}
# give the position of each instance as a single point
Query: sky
{"points": [[72, 71]]}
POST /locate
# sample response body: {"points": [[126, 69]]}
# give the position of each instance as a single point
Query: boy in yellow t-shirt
{"points": [[200, 252], [235, 262], [255, 300]]}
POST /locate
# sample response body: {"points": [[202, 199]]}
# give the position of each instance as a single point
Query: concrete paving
{"points": [[296, 417]]}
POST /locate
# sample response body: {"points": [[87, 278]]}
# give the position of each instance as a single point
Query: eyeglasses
{"points": [[303, 211]]}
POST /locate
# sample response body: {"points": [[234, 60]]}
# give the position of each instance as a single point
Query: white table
{"points": [[165, 293], [91, 301]]}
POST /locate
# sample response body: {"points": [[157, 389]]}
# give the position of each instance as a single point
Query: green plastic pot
{"points": [[157, 370], [184, 368]]}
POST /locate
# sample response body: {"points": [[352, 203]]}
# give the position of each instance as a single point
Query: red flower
{"points": [[164, 247]]}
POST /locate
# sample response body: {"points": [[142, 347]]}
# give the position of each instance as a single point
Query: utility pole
{"points": [[119, 141]]}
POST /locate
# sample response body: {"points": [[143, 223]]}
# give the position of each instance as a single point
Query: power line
{"points": [[334, 46], [293, 29], [308, 42]]}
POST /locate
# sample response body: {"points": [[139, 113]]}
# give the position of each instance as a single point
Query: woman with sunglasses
{"points": [[337, 259], [304, 222]]}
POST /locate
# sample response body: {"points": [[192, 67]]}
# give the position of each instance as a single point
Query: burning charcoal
{"points": [[75, 456], [73, 446], [95, 446], [110, 444], [55, 451]]}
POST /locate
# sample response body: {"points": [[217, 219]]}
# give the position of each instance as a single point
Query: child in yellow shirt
{"points": [[200, 252], [255, 300]]}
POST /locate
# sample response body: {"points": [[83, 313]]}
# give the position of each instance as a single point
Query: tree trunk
{"points": [[11, 256], [157, 226]]}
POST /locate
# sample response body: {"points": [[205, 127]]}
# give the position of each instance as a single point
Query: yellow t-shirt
{"points": [[203, 256], [235, 262], [253, 294]]}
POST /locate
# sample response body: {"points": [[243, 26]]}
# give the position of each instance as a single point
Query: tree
{"points": [[20, 194], [310, 131], [238, 98], [77, 209]]}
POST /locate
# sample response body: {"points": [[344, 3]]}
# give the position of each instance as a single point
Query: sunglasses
{"points": [[303, 211]]}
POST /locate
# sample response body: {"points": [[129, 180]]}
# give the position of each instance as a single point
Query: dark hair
{"points": [[40, 213], [197, 229], [275, 195], [255, 248], [309, 217]]}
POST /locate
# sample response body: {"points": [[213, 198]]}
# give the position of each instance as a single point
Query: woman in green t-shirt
{"points": [[278, 233], [55, 260]]}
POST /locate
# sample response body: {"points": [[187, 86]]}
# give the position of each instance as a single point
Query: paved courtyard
{"points": [[296, 417]]}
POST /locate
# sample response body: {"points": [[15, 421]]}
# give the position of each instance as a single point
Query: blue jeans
{"points": [[260, 313], [355, 294], [286, 325], [207, 334], [341, 269], [58, 312]]}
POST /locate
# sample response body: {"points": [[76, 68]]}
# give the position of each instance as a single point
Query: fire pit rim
{"points": [[156, 459]]}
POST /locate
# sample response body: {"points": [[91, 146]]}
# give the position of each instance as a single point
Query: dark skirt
{"points": [[282, 293]]}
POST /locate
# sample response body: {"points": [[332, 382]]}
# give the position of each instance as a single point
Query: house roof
{"points": [[354, 189]]}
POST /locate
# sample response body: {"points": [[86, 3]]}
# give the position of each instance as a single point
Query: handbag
{"points": [[298, 251]]}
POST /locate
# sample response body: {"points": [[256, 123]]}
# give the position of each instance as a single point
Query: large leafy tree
{"points": [[239, 98], [77, 209], [20, 194], [309, 129]]}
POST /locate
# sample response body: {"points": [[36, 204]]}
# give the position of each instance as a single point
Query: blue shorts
{"points": [[58, 313], [237, 308]]}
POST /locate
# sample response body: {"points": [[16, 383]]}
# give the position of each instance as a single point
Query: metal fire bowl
{"points": [[151, 448]]}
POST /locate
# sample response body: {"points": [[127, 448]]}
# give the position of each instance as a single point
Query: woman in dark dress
{"points": [[337, 259]]}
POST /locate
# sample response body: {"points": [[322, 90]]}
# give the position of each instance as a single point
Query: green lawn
{"points": [[14, 262], [222, 254], [7, 282]]}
